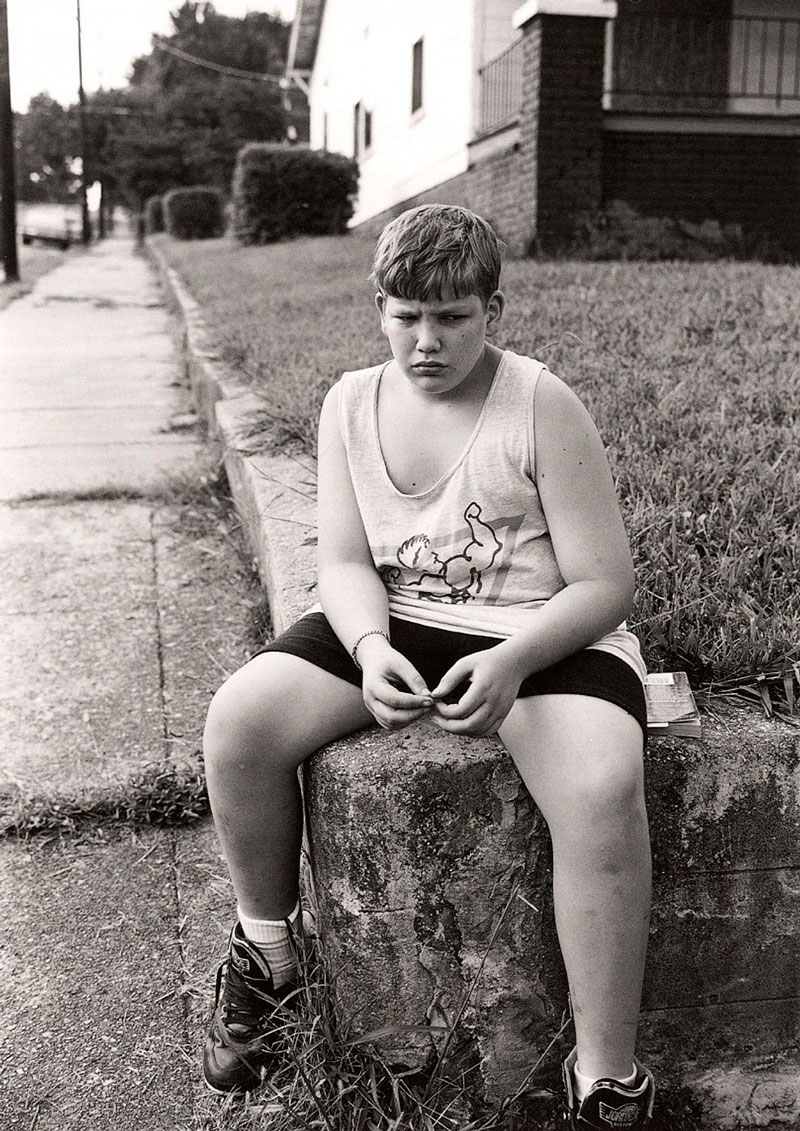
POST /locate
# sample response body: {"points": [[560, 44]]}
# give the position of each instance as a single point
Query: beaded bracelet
{"points": [[372, 632]]}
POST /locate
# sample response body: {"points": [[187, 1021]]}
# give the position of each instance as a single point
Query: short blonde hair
{"points": [[433, 248]]}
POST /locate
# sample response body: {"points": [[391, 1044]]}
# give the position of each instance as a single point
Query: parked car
{"points": [[56, 224]]}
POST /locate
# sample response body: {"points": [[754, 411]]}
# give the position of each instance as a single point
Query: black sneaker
{"points": [[249, 1019], [609, 1105]]}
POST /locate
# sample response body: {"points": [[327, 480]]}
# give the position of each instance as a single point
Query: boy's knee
{"points": [[235, 723], [611, 791], [248, 721]]}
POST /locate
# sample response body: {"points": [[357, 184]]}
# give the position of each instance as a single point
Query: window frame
{"points": [[357, 111], [417, 76]]}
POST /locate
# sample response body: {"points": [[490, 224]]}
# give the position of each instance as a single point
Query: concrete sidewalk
{"points": [[117, 626], [88, 377]]}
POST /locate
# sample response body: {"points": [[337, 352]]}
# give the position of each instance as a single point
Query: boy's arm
{"points": [[591, 548], [352, 594], [589, 539], [351, 591]]}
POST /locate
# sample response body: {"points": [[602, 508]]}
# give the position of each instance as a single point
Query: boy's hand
{"points": [[394, 691], [491, 683]]}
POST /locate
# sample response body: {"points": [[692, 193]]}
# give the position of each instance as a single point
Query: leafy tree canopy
{"points": [[257, 42], [187, 122], [177, 123], [46, 144]]}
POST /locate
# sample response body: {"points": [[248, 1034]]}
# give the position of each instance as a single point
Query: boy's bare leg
{"points": [[262, 724], [581, 759]]}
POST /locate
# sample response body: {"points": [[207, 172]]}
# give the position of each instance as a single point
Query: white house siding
{"points": [[364, 55], [495, 30]]}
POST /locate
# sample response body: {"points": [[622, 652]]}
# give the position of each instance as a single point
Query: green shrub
{"points": [[194, 213], [154, 215], [618, 231], [282, 191]]}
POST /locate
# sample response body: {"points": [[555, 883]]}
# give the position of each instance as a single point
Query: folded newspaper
{"points": [[671, 708]]}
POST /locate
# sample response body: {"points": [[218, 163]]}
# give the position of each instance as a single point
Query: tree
{"points": [[257, 42], [131, 155], [176, 124], [188, 122], [46, 148]]}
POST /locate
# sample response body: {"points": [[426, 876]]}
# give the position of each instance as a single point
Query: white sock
{"points": [[274, 941], [583, 1083]]}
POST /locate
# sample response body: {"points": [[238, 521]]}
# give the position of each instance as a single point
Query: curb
{"points": [[274, 494]]}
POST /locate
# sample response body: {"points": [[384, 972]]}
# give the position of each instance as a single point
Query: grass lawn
{"points": [[691, 371]]}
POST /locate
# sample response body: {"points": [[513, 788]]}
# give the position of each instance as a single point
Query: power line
{"points": [[233, 72]]}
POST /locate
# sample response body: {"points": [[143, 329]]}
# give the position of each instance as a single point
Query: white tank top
{"points": [[473, 552]]}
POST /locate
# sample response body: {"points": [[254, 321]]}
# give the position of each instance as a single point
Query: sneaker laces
{"points": [[242, 1007]]}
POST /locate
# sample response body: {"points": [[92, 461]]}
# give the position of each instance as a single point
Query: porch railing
{"points": [[673, 63], [500, 86], [683, 63]]}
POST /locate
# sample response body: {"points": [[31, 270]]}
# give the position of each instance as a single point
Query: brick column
{"points": [[561, 124]]}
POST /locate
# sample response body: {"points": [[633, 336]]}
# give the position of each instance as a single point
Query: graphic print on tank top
{"points": [[458, 568]]}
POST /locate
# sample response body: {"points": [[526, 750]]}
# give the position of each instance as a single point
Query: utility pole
{"points": [[8, 188], [86, 229]]}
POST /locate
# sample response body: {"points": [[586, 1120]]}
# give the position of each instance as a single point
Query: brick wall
{"points": [[749, 180], [491, 187], [570, 122]]}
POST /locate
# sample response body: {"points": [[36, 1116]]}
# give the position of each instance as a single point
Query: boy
{"points": [[431, 607]]}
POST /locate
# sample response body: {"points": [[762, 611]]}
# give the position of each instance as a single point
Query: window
{"points": [[416, 77], [367, 129], [356, 129]]}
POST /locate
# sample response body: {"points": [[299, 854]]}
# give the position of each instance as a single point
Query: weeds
{"points": [[158, 794], [329, 1078], [618, 231]]}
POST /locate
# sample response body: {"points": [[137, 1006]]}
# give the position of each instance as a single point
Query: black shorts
{"points": [[433, 651]]}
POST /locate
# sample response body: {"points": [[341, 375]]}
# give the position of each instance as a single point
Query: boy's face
{"points": [[438, 343]]}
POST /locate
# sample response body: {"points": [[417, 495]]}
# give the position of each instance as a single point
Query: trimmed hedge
{"points": [[194, 213], [154, 215], [618, 231], [282, 191]]}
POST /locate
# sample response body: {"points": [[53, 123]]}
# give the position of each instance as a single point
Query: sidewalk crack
{"points": [[159, 633], [183, 987]]}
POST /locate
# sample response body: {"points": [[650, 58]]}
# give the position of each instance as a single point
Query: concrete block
{"points": [[731, 801], [746, 1098], [430, 869], [701, 1038], [418, 840], [705, 947]]}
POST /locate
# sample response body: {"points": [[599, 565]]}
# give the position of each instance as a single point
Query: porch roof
{"points": [[305, 36]]}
